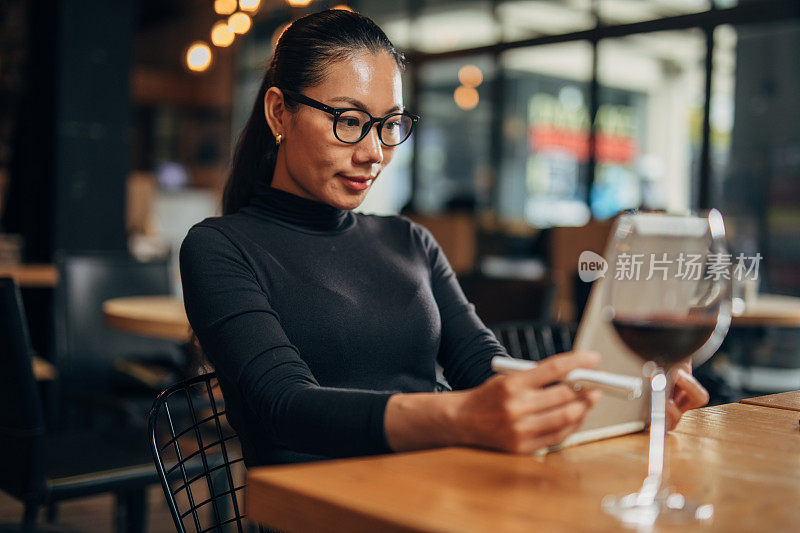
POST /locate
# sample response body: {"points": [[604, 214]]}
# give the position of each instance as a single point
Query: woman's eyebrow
{"points": [[355, 103]]}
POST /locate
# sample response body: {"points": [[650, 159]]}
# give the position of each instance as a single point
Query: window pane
{"points": [[624, 11], [544, 172], [393, 19], [439, 26], [524, 19], [757, 171], [453, 146], [649, 121]]}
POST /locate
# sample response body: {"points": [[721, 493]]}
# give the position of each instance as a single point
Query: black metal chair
{"points": [[198, 457], [88, 354], [534, 340], [41, 469]]}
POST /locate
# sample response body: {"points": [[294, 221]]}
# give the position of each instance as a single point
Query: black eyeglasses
{"points": [[351, 124]]}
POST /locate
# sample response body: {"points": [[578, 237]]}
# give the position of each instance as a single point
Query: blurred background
{"points": [[541, 120]]}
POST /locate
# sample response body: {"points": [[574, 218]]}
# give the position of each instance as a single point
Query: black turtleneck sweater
{"points": [[313, 316]]}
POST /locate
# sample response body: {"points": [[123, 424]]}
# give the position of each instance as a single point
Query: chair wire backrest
{"points": [[22, 426], [198, 457], [534, 340]]}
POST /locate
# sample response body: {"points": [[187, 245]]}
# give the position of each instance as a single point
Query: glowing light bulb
{"points": [[198, 57], [466, 97], [470, 75], [239, 22], [221, 35], [224, 7], [249, 5]]}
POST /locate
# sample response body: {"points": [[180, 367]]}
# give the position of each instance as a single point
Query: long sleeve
{"points": [[242, 335], [467, 345]]}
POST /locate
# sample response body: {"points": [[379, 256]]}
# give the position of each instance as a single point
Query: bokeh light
{"points": [[198, 56], [239, 22], [249, 5], [224, 7], [466, 97], [298, 3], [221, 35], [470, 75]]}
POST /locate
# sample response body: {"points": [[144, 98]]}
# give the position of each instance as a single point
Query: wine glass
{"points": [[668, 297]]}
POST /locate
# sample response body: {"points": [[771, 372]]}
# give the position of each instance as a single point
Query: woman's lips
{"points": [[357, 183]]}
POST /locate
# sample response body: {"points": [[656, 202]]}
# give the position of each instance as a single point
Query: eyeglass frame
{"points": [[338, 111]]}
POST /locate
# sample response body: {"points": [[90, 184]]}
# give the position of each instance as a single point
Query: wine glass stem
{"points": [[658, 430]]}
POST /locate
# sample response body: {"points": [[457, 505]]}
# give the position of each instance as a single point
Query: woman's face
{"points": [[312, 162]]}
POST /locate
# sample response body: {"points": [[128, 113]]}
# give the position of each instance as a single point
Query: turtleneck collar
{"points": [[298, 212]]}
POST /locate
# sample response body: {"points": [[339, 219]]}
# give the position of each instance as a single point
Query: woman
{"points": [[323, 325]]}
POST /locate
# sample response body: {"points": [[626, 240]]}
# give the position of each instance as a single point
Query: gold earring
{"points": [[278, 139]]}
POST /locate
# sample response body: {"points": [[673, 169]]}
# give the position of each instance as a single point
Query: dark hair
{"points": [[301, 56]]}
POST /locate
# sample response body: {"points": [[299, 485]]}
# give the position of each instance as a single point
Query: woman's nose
{"points": [[370, 148]]}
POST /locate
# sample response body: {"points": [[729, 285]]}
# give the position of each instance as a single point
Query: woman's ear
{"points": [[275, 112]]}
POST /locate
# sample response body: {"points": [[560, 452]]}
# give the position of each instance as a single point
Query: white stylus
{"points": [[628, 386]]}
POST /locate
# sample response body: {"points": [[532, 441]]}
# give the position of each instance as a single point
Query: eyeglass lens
{"points": [[351, 126]]}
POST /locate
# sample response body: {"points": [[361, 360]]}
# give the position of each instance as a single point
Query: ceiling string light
{"points": [[224, 7], [470, 75], [466, 97], [249, 5], [239, 22], [221, 35], [198, 57]]}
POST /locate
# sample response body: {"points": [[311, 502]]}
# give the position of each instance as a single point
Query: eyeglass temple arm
{"points": [[303, 99]]}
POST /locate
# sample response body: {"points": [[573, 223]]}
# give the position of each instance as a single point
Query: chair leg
{"points": [[29, 517], [131, 513], [52, 513]]}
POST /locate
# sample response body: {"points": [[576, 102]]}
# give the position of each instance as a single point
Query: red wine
{"points": [[664, 339]]}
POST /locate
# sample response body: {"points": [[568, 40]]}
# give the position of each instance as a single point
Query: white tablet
{"points": [[614, 415]]}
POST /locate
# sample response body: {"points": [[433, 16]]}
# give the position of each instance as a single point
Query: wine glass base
{"points": [[668, 508]]}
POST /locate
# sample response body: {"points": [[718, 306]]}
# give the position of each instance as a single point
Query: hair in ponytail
{"points": [[300, 59]]}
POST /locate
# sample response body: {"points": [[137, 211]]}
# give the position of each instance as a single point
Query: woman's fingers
{"points": [[536, 400], [524, 411], [551, 439], [673, 415], [556, 368], [545, 440], [688, 393], [557, 419], [678, 396]]}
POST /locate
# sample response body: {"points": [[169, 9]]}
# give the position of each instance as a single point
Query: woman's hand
{"points": [[525, 411], [687, 394]]}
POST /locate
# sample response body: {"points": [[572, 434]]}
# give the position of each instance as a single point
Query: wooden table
{"points": [[162, 317], [783, 400], [770, 310], [31, 275], [744, 459]]}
